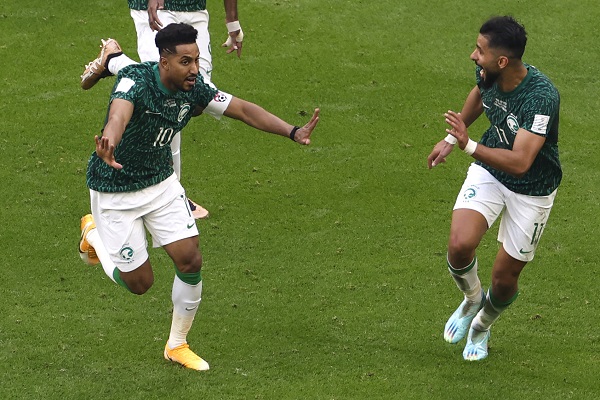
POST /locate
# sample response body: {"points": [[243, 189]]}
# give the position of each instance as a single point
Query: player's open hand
{"points": [[303, 134], [106, 151], [458, 128], [439, 153], [234, 42]]}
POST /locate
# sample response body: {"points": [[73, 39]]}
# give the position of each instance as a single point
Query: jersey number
{"points": [[164, 137], [501, 135], [537, 233]]}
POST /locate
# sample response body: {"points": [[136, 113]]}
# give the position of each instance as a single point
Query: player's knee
{"points": [[503, 288], [191, 263], [141, 284], [460, 251]]}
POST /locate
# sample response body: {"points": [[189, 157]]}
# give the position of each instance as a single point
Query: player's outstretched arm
{"points": [[236, 35], [257, 117], [118, 117]]}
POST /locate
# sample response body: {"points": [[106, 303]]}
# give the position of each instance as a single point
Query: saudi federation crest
{"points": [[469, 193], [512, 123], [126, 253], [183, 112]]}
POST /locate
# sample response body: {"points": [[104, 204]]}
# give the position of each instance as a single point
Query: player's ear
{"points": [[502, 62], [164, 63]]}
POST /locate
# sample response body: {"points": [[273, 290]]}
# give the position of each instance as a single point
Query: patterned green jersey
{"points": [[534, 105], [144, 150], [171, 5]]}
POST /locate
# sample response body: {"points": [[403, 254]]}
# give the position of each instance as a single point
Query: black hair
{"points": [[505, 33], [173, 35]]}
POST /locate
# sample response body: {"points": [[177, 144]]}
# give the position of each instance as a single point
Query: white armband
{"points": [[450, 139], [218, 104]]}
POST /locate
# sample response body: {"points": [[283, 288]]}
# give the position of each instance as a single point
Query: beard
{"points": [[489, 79]]}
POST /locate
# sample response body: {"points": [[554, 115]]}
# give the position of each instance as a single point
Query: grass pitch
{"points": [[324, 266]]}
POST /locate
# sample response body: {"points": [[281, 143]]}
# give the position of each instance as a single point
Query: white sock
{"points": [[116, 64], [186, 299], [94, 240], [467, 281], [176, 152]]}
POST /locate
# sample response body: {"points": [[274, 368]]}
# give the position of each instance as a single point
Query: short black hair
{"points": [[505, 33], [173, 35]]}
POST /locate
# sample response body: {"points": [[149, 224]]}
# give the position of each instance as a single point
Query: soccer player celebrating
{"points": [[149, 16], [132, 183], [516, 173]]}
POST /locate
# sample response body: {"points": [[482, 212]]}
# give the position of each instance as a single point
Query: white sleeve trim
{"points": [[124, 85], [218, 104]]}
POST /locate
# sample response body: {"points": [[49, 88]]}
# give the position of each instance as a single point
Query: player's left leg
{"points": [[173, 227], [502, 293], [520, 230], [186, 296]]}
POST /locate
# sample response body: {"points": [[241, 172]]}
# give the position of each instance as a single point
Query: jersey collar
{"points": [[159, 82]]}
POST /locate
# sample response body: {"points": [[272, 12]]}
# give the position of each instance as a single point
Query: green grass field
{"points": [[324, 266]]}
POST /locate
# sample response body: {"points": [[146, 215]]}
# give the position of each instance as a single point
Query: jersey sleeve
{"points": [[127, 87], [539, 112]]}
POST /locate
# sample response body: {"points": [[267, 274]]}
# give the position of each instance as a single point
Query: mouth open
{"points": [[191, 80]]}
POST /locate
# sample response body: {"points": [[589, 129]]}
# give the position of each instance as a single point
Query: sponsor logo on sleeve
{"points": [[540, 124]]}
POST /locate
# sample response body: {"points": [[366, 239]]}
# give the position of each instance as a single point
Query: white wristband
{"points": [[233, 26], [450, 139], [470, 147]]}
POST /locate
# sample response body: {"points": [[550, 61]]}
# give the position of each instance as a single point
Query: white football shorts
{"points": [[163, 209], [523, 217]]}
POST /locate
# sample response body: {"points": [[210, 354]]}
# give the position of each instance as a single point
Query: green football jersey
{"points": [[144, 150], [534, 105], [171, 5]]}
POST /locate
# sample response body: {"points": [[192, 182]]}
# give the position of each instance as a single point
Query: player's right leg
{"points": [[120, 237], [467, 229], [92, 251], [478, 205], [173, 227]]}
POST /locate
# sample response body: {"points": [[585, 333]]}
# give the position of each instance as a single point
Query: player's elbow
{"points": [[519, 169]]}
